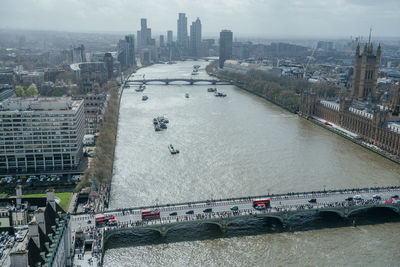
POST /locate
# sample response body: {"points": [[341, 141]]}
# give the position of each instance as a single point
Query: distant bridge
{"points": [[167, 81]]}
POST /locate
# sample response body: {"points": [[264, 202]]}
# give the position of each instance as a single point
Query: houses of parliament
{"points": [[359, 111]]}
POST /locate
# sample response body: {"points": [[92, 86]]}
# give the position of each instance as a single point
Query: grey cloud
{"points": [[250, 18]]}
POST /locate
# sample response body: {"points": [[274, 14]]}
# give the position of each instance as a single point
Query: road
{"points": [[288, 202]]}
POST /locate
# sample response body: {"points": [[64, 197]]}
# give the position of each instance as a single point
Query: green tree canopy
{"points": [[31, 90], [19, 91]]}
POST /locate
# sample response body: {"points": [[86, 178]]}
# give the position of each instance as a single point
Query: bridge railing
{"points": [[272, 196]]}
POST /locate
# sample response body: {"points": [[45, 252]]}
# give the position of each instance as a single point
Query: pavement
{"points": [[72, 203]]}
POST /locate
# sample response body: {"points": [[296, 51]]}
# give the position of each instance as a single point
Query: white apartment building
{"points": [[41, 134]]}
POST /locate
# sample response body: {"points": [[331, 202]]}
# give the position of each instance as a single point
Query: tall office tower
{"points": [[182, 30], [44, 134], [365, 75], [78, 54], [225, 46], [170, 37], [195, 38], [162, 43], [130, 39], [109, 61], [144, 33], [122, 53]]}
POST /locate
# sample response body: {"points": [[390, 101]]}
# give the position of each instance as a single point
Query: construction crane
{"points": [[308, 62]]}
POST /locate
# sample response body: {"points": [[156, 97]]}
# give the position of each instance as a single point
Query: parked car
{"points": [[377, 197], [349, 198]]}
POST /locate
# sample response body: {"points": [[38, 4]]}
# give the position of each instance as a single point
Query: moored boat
{"points": [[219, 94]]}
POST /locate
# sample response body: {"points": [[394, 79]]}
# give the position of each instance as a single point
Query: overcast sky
{"points": [[246, 18]]}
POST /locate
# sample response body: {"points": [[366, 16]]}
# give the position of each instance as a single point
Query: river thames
{"points": [[240, 145]]}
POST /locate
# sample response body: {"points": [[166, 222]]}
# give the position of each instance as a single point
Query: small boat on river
{"points": [[172, 150], [141, 88]]}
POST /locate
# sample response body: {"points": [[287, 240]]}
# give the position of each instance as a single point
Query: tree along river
{"points": [[240, 145]]}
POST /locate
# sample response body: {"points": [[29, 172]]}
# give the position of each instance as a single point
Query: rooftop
{"points": [[40, 104]]}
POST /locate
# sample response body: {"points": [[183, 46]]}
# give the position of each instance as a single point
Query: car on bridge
{"points": [[234, 208], [173, 213], [377, 197], [395, 196], [357, 197], [207, 210], [313, 200], [349, 198], [190, 212]]}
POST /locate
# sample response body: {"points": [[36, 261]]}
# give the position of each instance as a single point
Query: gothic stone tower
{"points": [[395, 106], [366, 67], [307, 104]]}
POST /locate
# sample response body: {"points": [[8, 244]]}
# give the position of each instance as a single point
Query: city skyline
{"points": [[297, 18]]}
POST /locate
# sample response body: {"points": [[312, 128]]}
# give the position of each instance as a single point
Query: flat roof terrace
{"points": [[40, 104]]}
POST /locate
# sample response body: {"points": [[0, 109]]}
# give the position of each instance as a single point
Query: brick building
{"points": [[373, 123]]}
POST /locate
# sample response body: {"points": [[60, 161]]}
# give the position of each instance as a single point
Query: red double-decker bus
{"points": [[265, 201], [100, 220], [150, 214]]}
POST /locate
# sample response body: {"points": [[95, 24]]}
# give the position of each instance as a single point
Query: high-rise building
{"points": [[144, 33], [41, 134], [130, 39], [162, 43], [78, 54], [182, 30], [109, 62], [146, 48], [195, 38], [170, 37], [366, 67], [126, 51], [225, 46]]}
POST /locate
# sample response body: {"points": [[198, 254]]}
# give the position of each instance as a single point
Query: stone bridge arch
{"points": [[392, 208], [179, 226], [340, 213], [110, 233]]}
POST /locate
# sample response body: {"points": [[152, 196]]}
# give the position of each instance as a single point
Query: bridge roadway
{"points": [[170, 80], [282, 208]]}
